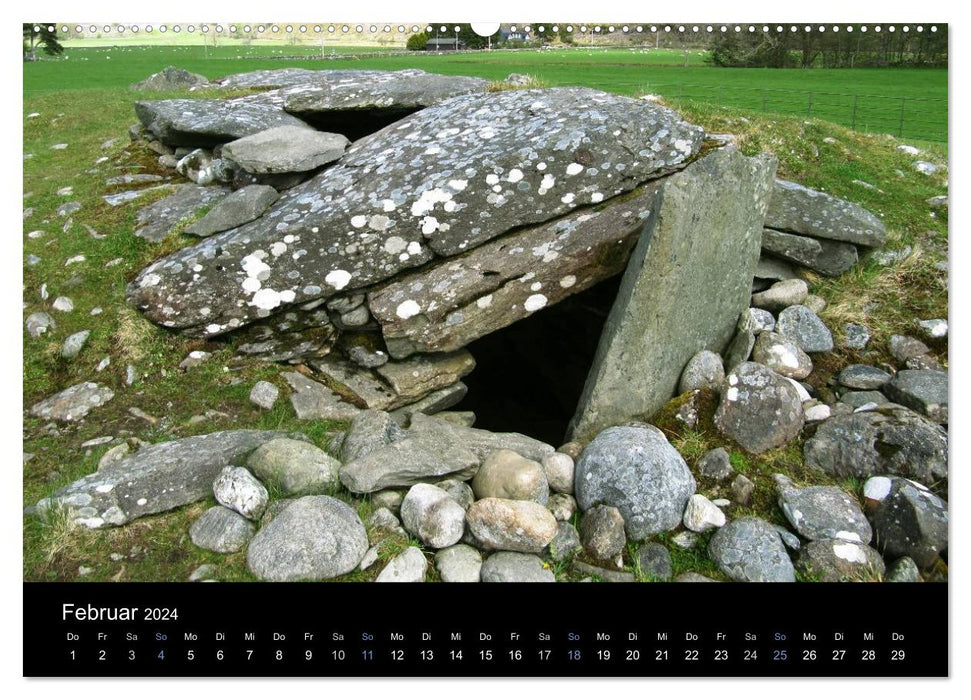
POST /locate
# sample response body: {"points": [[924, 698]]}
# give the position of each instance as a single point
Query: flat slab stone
{"points": [[74, 403], [460, 299], [827, 257], [408, 462], [419, 376], [285, 149], [688, 280], [158, 220], [157, 478], [360, 91], [802, 210], [439, 182], [480, 442], [924, 390], [314, 401], [236, 209], [206, 123]]}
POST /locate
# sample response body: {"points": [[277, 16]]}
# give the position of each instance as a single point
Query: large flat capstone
{"points": [[437, 183], [157, 478], [687, 281]]}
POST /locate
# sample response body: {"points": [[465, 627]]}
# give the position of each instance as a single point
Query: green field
{"points": [[872, 100]]}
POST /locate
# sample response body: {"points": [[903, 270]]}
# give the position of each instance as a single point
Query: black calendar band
{"points": [[428, 630]]}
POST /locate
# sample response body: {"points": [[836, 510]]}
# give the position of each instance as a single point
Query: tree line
{"points": [[852, 47]]}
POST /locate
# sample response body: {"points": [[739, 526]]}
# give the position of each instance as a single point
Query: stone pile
{"points": [[496, 507], [367, 226]]}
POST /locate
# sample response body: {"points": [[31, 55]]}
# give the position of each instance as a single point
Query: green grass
{"points": [[86, 103], [633, 71]]}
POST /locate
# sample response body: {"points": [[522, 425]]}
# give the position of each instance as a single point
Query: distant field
{"points": [[866, 99]]}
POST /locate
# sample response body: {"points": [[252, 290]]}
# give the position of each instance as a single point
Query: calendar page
{"points": [[544, 322]]}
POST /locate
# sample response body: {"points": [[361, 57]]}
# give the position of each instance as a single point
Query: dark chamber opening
{"points": [[529, 376], [355, 123]]}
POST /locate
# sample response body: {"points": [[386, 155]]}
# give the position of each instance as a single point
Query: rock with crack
{"points": [[464, 298], [908, 519], [156, 221], [207, 123], [480, 442], [243, 205], [830, 258], [441, 181], [804, 211], [408, 462], [822, 512], [688, 280], [890, 439], [157, 478]]}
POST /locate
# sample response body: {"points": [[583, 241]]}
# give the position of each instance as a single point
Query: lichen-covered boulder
{"points": [[636, 470], [888, 440], [759, 409], [314, 537], [439, 182]]}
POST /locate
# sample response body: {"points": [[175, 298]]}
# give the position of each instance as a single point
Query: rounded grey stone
{"points": [[782, 355], [315, 537], [221, 530], [781, 295], [749, 549], [459, 563], [822, 512], [408, 567], [805, 328], [715, 464], [704, 369], [517, 526], [559, 470], [856, 337], [654, 561], [430, 514], [295, 467], [505, 474], [636, 470], [513, 567], [755, 320], [602, 533], [838, 560], [73, 344], [237, 488], [759, 409]]}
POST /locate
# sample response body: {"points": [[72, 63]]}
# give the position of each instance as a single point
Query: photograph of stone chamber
{"points": [[561, 302]]}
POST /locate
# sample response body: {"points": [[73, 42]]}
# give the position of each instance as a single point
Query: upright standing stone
{"points": [[688, 280]]}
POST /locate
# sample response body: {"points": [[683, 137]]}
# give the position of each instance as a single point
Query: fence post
{"points": [[763, 100], [900, 131], [809, 113], [856, 98]]}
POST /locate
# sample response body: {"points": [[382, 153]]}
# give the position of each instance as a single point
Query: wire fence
{"points": [[923, 118]]}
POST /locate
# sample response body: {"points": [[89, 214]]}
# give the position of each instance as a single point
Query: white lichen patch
{"points": [[359, 221], [266, 299], [850, 552], [407, 309], [535, 302], [574, 169], [484, 302], [732, 394], [338, 279], [877, 488], [395, 245], [568, 281], [515, 175]]}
